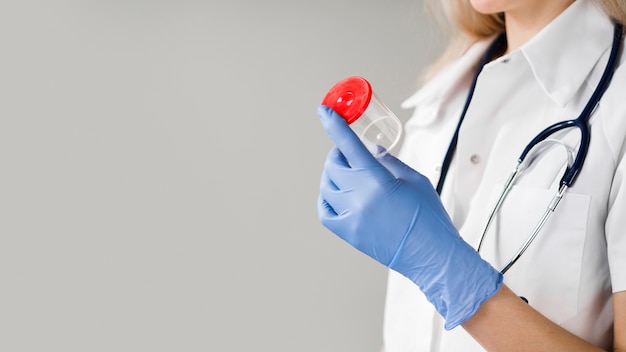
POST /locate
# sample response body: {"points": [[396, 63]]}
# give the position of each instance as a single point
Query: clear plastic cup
{"points": [[377, 127]]}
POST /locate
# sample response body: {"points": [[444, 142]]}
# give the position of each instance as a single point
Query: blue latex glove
{"points": [[393, 214]]}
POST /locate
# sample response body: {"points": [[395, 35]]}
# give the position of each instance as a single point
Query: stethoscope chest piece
{"points": [[541, 142]]}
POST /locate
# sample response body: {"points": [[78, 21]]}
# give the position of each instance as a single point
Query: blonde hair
{"points": [[616, 9], [468, 26]]}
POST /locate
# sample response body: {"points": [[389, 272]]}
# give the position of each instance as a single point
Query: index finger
{"points": [[346, 140]]}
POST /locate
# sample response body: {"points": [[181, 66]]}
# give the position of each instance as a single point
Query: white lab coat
{"points": [[579, 258]]}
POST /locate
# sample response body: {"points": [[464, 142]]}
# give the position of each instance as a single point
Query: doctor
{"points": [[444, 295]]}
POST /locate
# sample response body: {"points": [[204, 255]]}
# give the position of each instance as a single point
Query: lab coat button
{"points": [[475, 159]]}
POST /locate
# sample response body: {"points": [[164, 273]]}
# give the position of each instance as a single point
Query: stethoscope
{"points": [[574, 165]]}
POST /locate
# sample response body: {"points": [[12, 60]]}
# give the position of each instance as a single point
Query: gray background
{"points": [[159, 172]]}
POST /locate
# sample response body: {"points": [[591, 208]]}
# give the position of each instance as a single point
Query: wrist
{"points": [[454, 278]]}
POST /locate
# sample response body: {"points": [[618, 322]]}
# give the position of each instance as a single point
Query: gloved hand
{"points": [[393, 214]]}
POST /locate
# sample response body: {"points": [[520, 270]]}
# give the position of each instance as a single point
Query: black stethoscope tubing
{"points": [[581, 122]]}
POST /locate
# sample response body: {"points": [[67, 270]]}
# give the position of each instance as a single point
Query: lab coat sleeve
{"points": [[616, 229], [614, 108]]}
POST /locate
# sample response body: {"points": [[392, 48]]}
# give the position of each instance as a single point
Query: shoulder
{"points": [[612, 110], [448, 77]]}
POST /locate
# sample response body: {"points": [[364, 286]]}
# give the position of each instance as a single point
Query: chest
{"points": [[504, 116]]}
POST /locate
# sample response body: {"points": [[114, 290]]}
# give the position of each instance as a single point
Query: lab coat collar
{"points": [[561, 56], [450, 77], [565, 52]]}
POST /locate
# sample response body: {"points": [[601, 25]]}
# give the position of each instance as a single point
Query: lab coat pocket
{"points": [[548, 273]]}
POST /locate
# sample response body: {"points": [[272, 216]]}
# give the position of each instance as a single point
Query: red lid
{"points": [[349, 98]]}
